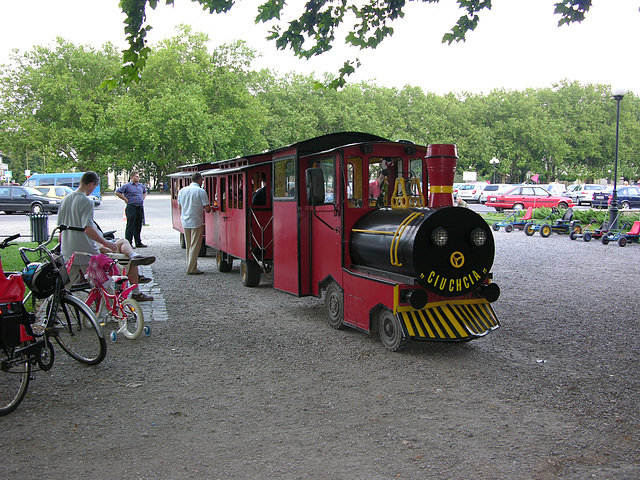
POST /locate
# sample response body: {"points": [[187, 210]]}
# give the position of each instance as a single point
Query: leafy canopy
{"points": [[314, 31]]}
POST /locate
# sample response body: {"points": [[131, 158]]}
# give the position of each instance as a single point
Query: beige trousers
{"points": [[193, 241]]}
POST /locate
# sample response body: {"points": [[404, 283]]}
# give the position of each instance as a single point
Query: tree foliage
{"points": [[313, 31], [198, 105]]}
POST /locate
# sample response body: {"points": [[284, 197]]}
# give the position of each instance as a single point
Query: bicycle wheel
{"points": [[130, 319], [77, 331], [14, 381]]}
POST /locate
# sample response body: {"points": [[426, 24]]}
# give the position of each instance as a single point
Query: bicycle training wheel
{"points": [[78, 332], [131, 319], [14, 381]]}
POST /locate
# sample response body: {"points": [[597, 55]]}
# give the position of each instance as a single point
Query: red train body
{"points": [[345, 216]]}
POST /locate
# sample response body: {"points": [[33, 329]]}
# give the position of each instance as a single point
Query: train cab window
{"points": [[416, 168], [383, 172], [284, 180], [329, 172], [354, 182]]}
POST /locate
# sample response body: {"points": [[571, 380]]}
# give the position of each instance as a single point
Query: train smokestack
{"points": [[441, 164]]}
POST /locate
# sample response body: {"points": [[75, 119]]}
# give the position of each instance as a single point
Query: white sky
{"points": [[516, 45]]}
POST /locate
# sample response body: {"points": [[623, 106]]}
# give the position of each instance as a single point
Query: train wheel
{"points": [[508, 228], [183, 243], [334, 306], [545, 231], [529, 229], [390, 331], [225, 262], [250, 272], [586, 237]]}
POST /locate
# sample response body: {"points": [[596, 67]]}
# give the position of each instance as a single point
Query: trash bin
{"points": [[39, 226]]}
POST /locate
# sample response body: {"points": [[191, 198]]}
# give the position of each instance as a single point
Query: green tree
{"points": [[51, 105], [314, 31]]}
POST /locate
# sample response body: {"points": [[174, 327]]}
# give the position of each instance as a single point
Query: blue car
{"points": [[628, 197]]}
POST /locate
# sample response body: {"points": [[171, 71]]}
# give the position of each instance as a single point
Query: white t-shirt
{"points": [[76, 210], [192, 199]]}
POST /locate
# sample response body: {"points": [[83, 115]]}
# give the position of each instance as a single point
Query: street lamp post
{"points": [[494, 161], [618, 94]]}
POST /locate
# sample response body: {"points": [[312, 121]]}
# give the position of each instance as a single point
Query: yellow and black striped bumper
{"points": [[449, 321]]}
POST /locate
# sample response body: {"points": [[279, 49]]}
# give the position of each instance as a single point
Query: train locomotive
{"points": [[365, 222]]}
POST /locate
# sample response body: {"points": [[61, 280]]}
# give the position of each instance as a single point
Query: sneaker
{"points": [[143, 279], [141, 260], [141, 245], [141, 297]]}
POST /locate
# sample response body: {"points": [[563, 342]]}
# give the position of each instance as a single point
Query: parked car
{"points": [[583, 193], [470, 192], [493, 189], [60, 191], [555, 188], [26, 199], [55, 191], [525, 196], [628, 197]]}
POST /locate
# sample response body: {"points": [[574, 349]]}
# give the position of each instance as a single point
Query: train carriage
{"points": [[348, 216]]}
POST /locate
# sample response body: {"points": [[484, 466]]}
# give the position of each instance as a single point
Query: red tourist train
{"points": [[345, 216]]}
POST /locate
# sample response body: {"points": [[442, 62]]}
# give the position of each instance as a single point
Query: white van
{"points": [[492, 189]]}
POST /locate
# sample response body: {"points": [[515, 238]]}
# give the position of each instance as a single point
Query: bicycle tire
{"points": [[14, 381], [131, 319], [77, 331]]}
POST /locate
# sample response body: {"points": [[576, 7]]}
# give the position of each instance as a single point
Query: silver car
{"points": [[583, 193]]}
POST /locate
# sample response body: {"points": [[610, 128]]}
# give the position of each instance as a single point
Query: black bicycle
{"points": [[28, 322]]}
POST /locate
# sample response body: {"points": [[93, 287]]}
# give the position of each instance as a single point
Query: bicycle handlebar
{"points": [[6, 241], [43, 246]]}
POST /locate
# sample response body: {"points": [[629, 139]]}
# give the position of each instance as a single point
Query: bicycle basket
{"points": [[12, 317], [40, 278]]}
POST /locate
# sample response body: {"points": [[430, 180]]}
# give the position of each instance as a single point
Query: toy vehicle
{"points": [[512, 221], [566, 224], [588, 232], [615, 235], [344, 217], [632, 236]]}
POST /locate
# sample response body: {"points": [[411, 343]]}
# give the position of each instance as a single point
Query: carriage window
{"points": [[329, 172], [223, 193], [354, 182], [211, 186], [259, 189], [285, 179]]}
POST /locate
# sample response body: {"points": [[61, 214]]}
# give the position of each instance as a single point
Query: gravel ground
{"points": [[238, 383]]}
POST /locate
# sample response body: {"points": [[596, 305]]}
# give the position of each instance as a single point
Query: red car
{"points": [[525, 196]]}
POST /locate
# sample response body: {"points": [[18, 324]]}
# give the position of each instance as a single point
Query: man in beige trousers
{"points": [[193, 202]]}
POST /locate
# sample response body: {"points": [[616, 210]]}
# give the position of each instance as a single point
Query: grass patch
{"points": [[11, 260]]}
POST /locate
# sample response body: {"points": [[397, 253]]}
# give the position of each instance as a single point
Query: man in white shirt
{"points": [[193, 201]]}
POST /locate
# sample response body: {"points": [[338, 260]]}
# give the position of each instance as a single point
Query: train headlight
{"points": [[440, 237], [478, 237]]}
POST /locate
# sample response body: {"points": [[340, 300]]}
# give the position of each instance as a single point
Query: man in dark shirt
{"points": [[133, 194]]}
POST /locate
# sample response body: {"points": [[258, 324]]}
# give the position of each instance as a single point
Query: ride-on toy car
{"points": [[562, 225], [632, 236], [512, 221], [615, 235]]}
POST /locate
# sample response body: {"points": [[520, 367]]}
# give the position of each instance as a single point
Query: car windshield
{"points": [[31, 191]]}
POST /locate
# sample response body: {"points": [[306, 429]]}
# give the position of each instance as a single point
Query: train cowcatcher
{"points": [[345, 216]]}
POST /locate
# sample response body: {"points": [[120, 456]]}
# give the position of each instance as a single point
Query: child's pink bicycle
{"points": [[103, 274]]}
